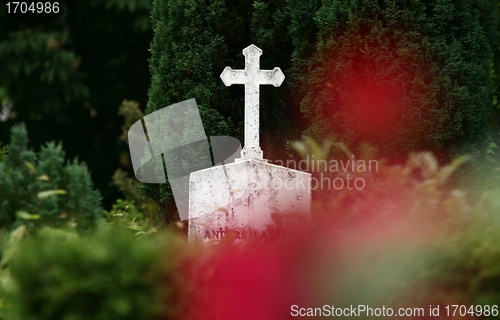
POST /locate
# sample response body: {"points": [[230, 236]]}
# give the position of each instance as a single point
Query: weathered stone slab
{"points": [[241, 197]]}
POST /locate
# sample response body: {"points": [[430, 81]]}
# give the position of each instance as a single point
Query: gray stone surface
{"points": [[243, 196]]}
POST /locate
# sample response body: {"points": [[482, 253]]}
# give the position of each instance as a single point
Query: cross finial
{"points": [[252, 77]]}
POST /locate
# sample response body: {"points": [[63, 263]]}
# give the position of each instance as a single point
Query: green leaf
{"points": [[140, 233], [30, 166], [48, 193], [136, 228], [26, 216], [43, 178]]}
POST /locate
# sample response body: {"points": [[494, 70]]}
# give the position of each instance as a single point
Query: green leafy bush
{"points": [[140, 220], [123, 210], [44, 189], [106, 275], [408, 239], [433, 243], [418, 191], [471, 260]]}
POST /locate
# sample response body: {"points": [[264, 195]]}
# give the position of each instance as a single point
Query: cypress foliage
{"points": [[194, 41], [185, 53], [42, 189], [402, 74], [183, 57], [496, 71]]}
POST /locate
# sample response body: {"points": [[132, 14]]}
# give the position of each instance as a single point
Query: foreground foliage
{"points": [[56, 274], [411, 238]]}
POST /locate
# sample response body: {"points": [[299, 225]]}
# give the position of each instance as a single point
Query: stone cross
{"points": [[252, 77]]}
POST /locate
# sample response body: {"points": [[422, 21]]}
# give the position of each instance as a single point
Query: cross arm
{"points": [[274, 77], [230, 76]]}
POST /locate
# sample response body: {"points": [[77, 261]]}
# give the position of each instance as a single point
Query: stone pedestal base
{"points": [[240, 197]]}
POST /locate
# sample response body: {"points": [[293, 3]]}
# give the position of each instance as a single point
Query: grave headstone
{"points": [[241, 197]]}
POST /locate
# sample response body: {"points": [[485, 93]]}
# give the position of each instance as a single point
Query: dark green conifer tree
{"points": [[44, 189], [67, 76], [404, 75]]}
